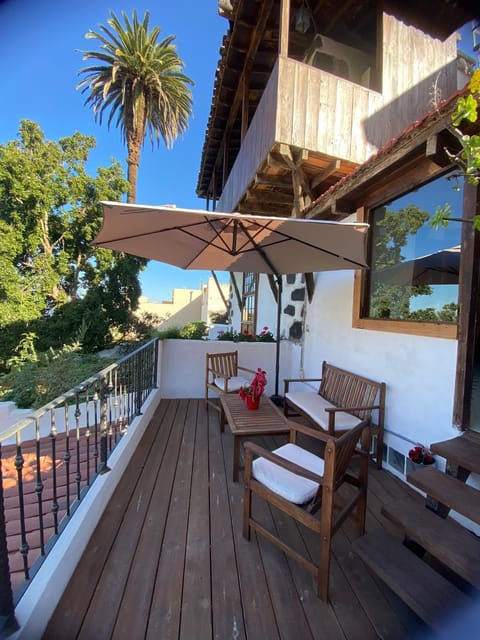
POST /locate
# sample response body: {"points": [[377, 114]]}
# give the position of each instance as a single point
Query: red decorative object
{"points": [[255, 389], [421, 455]]}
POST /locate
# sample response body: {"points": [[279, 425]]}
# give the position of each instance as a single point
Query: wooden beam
{"points": [[285, 152], [274, 159], [245, 102], [284, 27], [326, 173], [255, 40], [277, 182], [436, 145], [261, 209], [237, 292], [467, 298], [220, 291], [260, 196]]}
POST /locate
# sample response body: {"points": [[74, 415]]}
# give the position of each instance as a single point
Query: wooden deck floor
{"points": [[168, 559]]}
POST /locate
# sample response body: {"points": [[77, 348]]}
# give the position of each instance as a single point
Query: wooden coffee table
{"points": [[267, 420]]}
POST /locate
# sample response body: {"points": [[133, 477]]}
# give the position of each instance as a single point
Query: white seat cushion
{"points": [[314, 405], [289, 485], [233, 384]]}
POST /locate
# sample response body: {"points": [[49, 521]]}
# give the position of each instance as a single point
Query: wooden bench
{"points": [[341, 402]]}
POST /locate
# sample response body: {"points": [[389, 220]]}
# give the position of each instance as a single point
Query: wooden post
{"points": [[284, 27]]}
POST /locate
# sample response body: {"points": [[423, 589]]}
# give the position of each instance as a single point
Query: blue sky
{"points": [[39, 48], [39, 51]]}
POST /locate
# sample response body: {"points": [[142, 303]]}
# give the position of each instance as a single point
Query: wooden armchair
{"points": [[222, 376], [300, 483]]}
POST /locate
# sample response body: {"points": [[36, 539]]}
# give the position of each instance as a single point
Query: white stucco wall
{"points": [[183, 363]]}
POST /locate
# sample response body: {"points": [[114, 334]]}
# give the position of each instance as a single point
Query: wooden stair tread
{"points": [[463, 450], [448, 490], [430, 595], [455, 546]]}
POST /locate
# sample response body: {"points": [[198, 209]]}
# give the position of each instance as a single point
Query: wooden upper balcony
{"points": [[297, 124], [293, 113]]}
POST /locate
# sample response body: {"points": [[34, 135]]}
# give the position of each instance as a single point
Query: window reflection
{"points": [[414, 274]]}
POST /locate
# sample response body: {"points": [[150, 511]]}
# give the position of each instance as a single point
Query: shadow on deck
{"points": [[168, 559]]}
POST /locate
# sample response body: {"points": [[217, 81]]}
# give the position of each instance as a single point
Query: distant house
{"points": [[186, 305], [344, 114]]}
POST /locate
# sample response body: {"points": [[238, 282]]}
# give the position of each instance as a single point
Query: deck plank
{"points": [[227, 613], [168, 559], [165, 613], [196, 597]]}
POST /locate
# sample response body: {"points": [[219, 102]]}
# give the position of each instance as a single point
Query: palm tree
{"points": [[140, 81]]}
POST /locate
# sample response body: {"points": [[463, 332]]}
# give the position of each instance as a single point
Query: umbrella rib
{"points": [[287, 238]]}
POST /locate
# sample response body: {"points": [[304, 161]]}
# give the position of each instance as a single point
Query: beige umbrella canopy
{"points": [[233, 242]]}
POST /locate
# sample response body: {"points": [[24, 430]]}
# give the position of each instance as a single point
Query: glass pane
{"points": [[414, 274]]}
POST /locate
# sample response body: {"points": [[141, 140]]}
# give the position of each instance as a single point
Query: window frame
{"points": [[251, 294], [360, 320]]}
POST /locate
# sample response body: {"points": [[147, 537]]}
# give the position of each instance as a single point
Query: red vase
{"points": [[252, 403]]}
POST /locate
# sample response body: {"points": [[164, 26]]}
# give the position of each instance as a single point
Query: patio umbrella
{"points": [[440, 267], [233, 242]]}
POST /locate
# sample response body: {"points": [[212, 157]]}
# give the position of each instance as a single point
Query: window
{"points": [[249, 300], [414, 267]]}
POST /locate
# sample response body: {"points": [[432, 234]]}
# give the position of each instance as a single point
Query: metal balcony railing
{"points": [[49, 460]]}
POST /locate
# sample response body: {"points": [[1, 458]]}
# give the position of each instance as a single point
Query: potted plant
{"points": [[253, 392], [421, 455]]}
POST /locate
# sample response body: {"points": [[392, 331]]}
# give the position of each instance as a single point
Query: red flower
{"points": [[256, 387], [420, 454]]}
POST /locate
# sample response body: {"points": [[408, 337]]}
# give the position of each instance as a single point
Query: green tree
{"points": [[49, 214], [391, 235], [139, 81]]}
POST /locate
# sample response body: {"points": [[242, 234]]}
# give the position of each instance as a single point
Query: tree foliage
{"points": [[140, 82], [467, 158], [51, 279], [392, 232]]}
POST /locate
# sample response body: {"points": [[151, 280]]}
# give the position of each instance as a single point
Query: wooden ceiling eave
{"points": [[246, 56]]}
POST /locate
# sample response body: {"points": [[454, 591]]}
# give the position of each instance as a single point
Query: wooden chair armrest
{"points": [[309, 431], [287, 381], [246, 369], [347, 409], [281, 462]]}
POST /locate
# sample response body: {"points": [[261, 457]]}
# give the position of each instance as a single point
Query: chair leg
{"points": [[247, 495], [379, 448], [222, 418]]}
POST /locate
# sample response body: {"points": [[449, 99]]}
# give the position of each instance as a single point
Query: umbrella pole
{"points": [[276, 398]]}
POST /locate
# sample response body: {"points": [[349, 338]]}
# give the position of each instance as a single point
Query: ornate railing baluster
{"points": [[103, 429], [96, 451], [7, 610], [106, 403], [111, 412], [53, 440], [77, 414], [19, 463], [87, 433], [39, 486], [67, 456], [138, 386]]}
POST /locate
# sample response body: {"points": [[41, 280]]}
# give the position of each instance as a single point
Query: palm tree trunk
{"points": [[132, 173], [134, 145]]}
